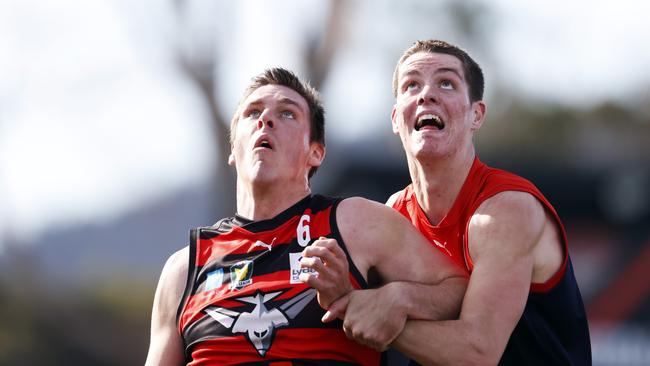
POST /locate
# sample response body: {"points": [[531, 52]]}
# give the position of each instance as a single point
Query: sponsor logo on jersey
{"points": [[241, 274], [214, 280], [296, 270], [442, 245], [262, 244], [260, 323]]}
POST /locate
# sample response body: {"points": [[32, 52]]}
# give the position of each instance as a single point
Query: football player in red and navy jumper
{"points": [[522, 305]]}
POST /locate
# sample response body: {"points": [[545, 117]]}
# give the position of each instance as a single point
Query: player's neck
{"points": [[437, 182], [262, 202]]}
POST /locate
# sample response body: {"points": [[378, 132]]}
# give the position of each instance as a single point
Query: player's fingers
{"points": [[328, 317], [359, 337], [365, 337], [337, 309], [331, 268], [323, 253], [319, 251], [312, 280], [336, 264], [325, 272], [330, 244], [376, 341], [325, 242], [314, 263], [348, 329]]}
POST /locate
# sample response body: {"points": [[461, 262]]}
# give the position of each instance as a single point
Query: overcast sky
{"points": [[96, 119]]}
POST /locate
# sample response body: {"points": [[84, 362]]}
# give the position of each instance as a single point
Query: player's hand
{"points": [[374, 317], [327, 258], [337, 309]]}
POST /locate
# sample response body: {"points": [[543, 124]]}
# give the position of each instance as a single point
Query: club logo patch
{"points": [[241, 274], [260, 323]]}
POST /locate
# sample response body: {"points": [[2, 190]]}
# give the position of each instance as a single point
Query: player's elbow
{"points": [[473, 354], [480, 358], [480, 351]]}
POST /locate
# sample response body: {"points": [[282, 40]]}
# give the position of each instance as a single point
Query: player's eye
{"points": [[446, 84], [410, 85], [288, 114], [254, 113]]}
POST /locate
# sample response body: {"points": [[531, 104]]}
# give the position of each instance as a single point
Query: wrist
{"points": [[397, 299]]}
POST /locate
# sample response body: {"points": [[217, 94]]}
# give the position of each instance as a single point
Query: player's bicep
{"points": [[496, 296], [379, 238], [502, 236], [165, 349], [408, 256], [166, 346]]}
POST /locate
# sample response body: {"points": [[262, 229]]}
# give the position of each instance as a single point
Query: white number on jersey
{"points": [[302, 231]]}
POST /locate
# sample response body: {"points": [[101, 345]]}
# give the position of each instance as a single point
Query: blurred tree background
{"points": [[136, 99]]}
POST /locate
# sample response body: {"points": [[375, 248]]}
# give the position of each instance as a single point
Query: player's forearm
{"points": [[441, 301], [452, 342], [164, 351]]}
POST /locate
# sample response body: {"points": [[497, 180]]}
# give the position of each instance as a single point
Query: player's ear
{"points": [[478, 110], [231, 159], [393, 113], [316, 153]]}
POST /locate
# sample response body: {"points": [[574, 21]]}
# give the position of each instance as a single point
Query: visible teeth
{"points": [[429, 116], [429, 120]]}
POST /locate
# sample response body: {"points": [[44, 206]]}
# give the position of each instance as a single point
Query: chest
{"points": [[246, 283], [448, 239], [241, 262]]}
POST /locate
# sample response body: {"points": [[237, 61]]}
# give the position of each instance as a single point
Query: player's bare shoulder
{"points": [[165, 347], [372, 231], [360, 221], [367, 217], [392, 199], [177, 264], [172, 282], [507, 217]]}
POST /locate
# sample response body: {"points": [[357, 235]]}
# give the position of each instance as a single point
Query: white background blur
{"points": [[100, 117]]}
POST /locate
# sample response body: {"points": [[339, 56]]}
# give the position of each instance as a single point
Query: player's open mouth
{"points": [[263, 143], [429, 120]]}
